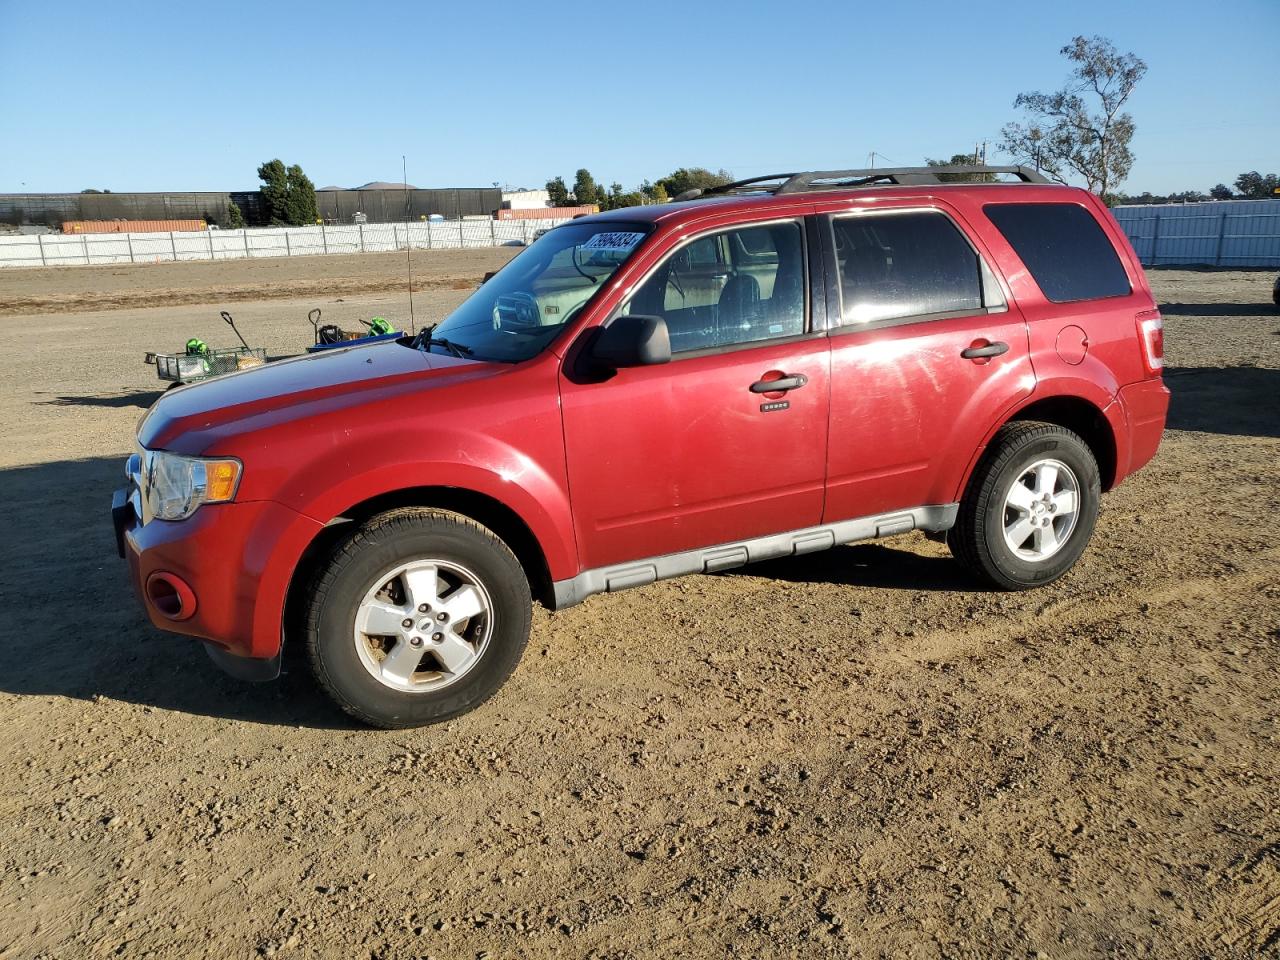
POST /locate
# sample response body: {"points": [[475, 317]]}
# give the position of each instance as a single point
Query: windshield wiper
{"points": [[424, 339]]}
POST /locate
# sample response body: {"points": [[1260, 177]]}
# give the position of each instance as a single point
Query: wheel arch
{"points": [[504, 521], [1083, 418], [1096, 425]]}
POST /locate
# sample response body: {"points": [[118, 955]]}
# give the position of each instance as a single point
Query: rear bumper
{"points": [[1145, 405], [236, 558]]}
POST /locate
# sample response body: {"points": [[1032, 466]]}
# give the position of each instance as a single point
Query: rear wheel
{"points": [[1030, 508], [419, 615]]}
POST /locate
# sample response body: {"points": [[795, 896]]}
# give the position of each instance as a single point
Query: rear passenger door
{"points": [[927, 353]]}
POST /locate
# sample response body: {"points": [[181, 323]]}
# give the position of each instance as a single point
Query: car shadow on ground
{"points": [[1216, 309], [868, 565], [141, 399], [73, 628], [1234, 401]]}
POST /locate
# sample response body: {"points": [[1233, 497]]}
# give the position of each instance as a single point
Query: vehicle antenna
{"points": [[408, 247]]}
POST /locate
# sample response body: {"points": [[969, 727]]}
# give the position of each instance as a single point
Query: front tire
{"points": [[418, 616], [1030, 507]]}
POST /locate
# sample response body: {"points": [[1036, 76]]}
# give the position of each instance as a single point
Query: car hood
{"points": [[191, 419]]}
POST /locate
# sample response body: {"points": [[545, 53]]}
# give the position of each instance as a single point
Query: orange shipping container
{"points": [[132, 226], [546, 213]]}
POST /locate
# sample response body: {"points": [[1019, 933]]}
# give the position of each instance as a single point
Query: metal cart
{"points": [[180, 368]]}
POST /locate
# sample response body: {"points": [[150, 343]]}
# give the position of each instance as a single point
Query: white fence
{"points": [[49, 250], [1225, 233]]}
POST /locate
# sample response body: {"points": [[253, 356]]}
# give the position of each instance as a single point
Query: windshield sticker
{"points": [[613, 241]]}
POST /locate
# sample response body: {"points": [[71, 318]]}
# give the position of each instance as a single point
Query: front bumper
{"points": [[237, 559]]}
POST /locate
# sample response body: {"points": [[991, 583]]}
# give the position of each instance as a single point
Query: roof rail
{"points": [[846, 179], [905, 176]]}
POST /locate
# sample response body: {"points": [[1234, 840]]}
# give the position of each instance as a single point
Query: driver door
{"points": [[683, 455]]}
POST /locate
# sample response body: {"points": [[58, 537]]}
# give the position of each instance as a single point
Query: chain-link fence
{"points": [[50, 250]]}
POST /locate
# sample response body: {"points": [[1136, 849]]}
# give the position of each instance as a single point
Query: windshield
{"points": [[516, 313]]}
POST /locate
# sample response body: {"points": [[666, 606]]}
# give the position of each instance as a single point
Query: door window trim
{"points": [[811, 332], [987, 275]]}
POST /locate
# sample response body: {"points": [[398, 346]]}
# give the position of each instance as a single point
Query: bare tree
{"points": [[1080, 130]]}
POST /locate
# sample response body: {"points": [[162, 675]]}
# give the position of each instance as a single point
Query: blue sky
{"points": [[174, 96]]}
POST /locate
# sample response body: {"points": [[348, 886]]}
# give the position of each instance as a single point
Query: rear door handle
{"points": [[781, 385], [990, 350]]}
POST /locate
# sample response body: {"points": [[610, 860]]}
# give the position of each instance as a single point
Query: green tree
{"points": [[275, 191], [586, 191], [1221, 192], [233, 219], [1142, 199], [558, 193], [1080, 130], [689, 178], [961, 160], [1254, 186], [654, 192], [617, 198], [288, 195], [300, 198]]}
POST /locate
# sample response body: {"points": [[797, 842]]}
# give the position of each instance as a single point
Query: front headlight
{"points": [[174, 487]]}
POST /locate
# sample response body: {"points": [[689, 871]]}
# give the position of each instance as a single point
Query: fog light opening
{"points": [[170, 596]]}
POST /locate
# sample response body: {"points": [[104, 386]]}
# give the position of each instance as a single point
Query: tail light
{"points": [[1151, 333]]}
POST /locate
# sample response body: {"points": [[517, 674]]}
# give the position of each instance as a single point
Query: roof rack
{"points": [[847, 179]]}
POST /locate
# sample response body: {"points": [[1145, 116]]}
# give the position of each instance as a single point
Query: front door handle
{"points": [[780, 384], [985, 351]]}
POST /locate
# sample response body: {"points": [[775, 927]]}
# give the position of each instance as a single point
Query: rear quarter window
{"points": [[1064, 247]]}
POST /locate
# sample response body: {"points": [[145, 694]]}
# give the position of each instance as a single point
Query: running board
{"points": [[726, 556]]}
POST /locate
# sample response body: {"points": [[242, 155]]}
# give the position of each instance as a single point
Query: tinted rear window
{"points": [[1064, 248]]}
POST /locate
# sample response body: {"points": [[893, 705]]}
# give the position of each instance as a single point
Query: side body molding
{"points": [[726, 556]]}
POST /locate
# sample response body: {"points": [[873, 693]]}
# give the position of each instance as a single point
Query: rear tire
{"points": [[418, 615], [1030, 507]]}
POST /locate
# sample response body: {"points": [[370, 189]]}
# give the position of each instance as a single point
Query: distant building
{"points": [[380, 202], [384, 185], [525, 200]]}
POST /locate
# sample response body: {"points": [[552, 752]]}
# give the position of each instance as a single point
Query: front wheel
{"points": [[1030, 507], [419, 615]]}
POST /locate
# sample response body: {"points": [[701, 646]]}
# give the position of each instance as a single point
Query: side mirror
{"points": [[633, 341]]}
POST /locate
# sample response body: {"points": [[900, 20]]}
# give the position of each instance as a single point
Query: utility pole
{"points": [[408, 244]]}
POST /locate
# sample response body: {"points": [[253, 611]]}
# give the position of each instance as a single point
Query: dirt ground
{"points": [[228, 281], [850, 754]]}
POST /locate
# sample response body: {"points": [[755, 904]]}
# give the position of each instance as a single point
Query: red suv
{"points": [[775, 367]]}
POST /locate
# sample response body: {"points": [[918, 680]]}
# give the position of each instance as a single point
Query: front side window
{"points": [[911, 264], [729, 288], [520, 310]]}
